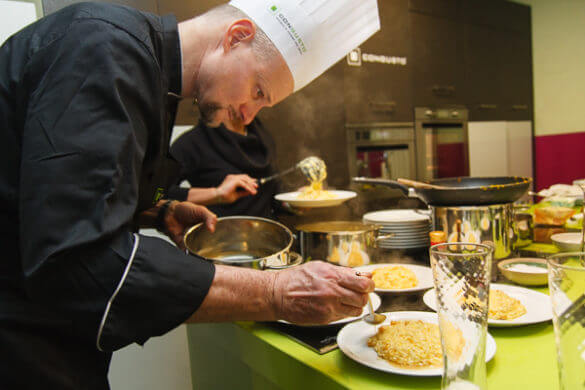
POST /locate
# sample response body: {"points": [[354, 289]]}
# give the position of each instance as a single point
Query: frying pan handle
{"points": [[382, 182]]}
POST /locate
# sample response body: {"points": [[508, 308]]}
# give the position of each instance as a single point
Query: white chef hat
{"points": [[312, 35]]}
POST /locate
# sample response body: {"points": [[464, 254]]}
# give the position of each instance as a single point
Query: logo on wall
{"points": [[356, 58]]}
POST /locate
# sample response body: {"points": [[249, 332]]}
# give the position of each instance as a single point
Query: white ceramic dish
{"points": [[397, 216], [423, 274], [538, 306], [376, 302], [292, 198], [567, 242], [528, 271], [353, 342]]}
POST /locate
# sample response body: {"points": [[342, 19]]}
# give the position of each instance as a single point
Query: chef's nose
{"points": [[250, 110]]}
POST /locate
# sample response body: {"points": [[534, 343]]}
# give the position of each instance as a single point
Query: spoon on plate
{"points": [[372, 317]]}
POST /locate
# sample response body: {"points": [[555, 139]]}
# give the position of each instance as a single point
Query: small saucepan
{"points": [[347, 243], [244, 241]]}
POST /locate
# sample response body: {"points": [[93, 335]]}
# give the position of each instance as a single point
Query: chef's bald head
{"points": [[226, 14]]}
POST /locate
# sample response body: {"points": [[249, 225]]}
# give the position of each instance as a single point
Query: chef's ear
{"points": [[240, 31]]}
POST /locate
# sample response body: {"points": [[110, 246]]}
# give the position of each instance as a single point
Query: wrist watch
{"points": [[160, 217]]}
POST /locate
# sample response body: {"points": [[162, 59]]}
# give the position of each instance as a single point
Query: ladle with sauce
{"points": [[312, 167]]}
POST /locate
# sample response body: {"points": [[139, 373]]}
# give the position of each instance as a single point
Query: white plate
{"points": [[405, 239], [376, 302], [537, 304], [396, 216], [293, 199], [421, 244], [398, 225], [353, 342], [423, 274]]}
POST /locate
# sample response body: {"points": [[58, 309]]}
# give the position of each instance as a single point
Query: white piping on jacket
{"points": [[122, 280]]}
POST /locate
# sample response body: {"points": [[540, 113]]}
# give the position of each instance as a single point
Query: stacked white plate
{"points": [[410, 228]]}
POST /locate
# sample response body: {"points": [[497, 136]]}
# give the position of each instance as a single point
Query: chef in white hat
{"points": [[86, 125], [254, 53]]}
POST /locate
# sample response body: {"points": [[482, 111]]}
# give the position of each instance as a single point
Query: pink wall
{"points": [[560, 158]]}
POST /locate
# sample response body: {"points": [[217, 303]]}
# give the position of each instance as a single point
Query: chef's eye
{"points": [[259, 93]]}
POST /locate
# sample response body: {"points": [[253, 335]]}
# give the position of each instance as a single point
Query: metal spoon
{"points": [[276, 175], [372, 317]]}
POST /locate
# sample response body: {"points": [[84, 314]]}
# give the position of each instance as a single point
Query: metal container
{"points": [[244, 241], [345, 243], [490, 224]]}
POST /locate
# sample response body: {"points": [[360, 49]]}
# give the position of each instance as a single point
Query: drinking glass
{"points": [[461, 273], [566, 276]]}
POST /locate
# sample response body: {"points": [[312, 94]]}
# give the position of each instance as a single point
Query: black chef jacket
{"points": [[85, 119], [207, 155]]}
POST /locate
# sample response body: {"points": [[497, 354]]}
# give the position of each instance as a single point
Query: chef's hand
{"points": [[318, 293], [234, 187], [182, 215]]}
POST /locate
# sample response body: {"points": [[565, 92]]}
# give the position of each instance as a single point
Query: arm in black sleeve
{"points": [[89, 122]]}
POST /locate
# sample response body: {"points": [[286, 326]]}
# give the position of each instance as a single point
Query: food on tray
{"points": [[564, 190], [349, 254], [413, 344], [504, 307], [394, 278], [552, 215]]}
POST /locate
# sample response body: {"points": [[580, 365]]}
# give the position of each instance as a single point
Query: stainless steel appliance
{"points": [[381, 150], [441, 142], [489, 224]]}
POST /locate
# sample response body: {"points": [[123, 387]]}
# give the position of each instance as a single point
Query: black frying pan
{"points": [[462, 191]]}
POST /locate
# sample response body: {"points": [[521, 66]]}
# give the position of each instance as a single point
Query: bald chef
{"points": [[88, 97]]}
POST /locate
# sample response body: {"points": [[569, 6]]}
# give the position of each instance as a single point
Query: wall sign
{"points": [[356, 58]]}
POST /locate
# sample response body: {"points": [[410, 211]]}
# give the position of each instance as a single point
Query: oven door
{"points": [[381, 150], [441, 144]]}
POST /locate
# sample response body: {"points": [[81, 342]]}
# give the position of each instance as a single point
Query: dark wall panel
{"points": [[50, 6]]}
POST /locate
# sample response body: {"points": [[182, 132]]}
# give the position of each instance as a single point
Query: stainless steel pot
{"points": [[492, 225], [244, 241], [340, 242]]}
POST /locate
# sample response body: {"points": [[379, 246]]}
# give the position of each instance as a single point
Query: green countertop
{"points": [[250, 355]]}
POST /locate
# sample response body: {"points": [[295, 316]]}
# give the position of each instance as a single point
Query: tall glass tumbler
{"points": [[566, 276], [461, 273]]}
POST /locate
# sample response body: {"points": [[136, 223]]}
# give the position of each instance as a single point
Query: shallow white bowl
{"points": [[567, 242]]}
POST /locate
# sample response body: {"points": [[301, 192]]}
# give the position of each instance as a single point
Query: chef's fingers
{"points": [[203, 214], [350, 311], [252, 181], [354, 299], [246, 178], [246, 186], [351, 281]]}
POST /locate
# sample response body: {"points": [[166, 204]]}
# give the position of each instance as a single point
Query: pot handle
{"points": [[380, 238], [382, 182], [296, 259], [384, 237]]}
